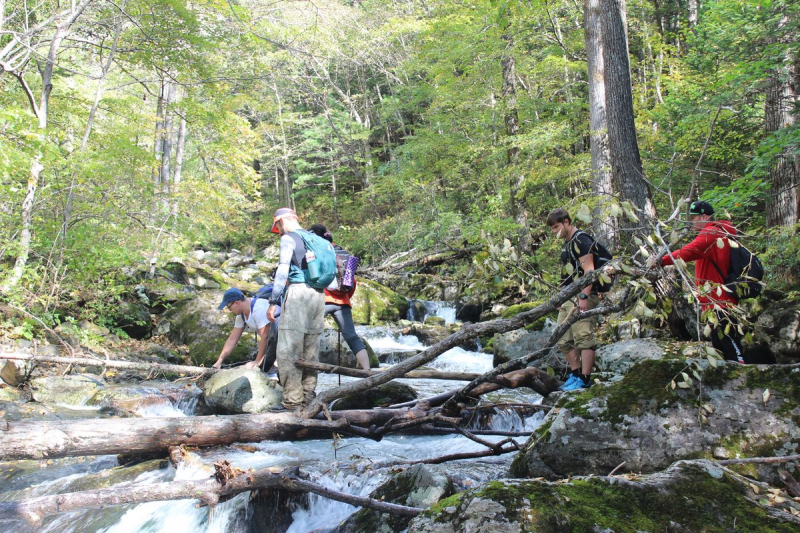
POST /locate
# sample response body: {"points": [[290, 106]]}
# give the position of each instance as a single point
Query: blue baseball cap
{"points": [[231, 295]]}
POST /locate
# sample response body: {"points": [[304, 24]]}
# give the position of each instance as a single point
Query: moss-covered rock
{"points": [[642, 421], [203, 328], [65, 390], [690, 496], [374, 304], [418, 486], [380, 396], [134, 319]]}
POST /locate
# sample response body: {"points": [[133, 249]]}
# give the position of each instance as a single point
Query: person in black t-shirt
{"points": [[577, 257]]}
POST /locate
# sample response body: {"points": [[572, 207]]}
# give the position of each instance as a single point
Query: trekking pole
{"points": [[340, 356]]}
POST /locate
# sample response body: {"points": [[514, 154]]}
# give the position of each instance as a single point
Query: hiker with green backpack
{"points": [[337, 303], [581, 254], [306, 266]]}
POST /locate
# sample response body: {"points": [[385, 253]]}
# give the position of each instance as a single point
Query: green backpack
{"points": [[320, 258]]}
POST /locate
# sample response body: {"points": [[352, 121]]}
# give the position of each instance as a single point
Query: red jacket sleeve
{"points": [[697, 249]]}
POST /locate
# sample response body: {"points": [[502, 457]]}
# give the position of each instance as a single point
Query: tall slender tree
{"points": [[781, 106]]}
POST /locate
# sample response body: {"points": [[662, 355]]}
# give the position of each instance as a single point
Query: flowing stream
{"points": [[337, 465]]}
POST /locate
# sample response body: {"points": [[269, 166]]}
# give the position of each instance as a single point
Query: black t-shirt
{"points": [[581, 244]]}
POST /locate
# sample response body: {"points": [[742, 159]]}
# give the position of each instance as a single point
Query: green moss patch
{"points": [[692, 500]]}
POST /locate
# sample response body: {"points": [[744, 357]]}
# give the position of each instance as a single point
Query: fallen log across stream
{"points": [[109, 436], [110, 363], [414, 374], [209, 491]]}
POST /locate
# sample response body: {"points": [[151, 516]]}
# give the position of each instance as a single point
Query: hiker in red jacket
{"points": [[711, 252]]}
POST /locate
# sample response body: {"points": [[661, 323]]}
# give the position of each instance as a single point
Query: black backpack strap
{"points": [[575, 236], [718, 270]]}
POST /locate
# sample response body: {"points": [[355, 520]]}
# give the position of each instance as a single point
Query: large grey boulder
{"points": [[722, 411], [621, 356], [418, 486], [65, 390], [240, 391], [521, 342], [690, 496], [778, 328], [203, 328]]}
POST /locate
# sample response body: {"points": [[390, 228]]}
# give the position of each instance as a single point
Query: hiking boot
{"points": [[569, 383], [575, 384]]}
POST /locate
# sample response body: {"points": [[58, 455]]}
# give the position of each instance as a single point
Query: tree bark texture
{"points": [[780, 107], [604, 227], [627, 174]]}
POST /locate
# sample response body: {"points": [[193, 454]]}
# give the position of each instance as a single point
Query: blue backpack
{"points": [[320, 260]]}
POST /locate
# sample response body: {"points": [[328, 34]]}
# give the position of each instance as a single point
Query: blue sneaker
{"points": [[577, 384], [569, 383]]}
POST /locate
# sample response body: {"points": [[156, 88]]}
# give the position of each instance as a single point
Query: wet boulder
{"points": [[240, 391], [65, 390], [146, 395], [374, 304], [381, 396], [418, 486], [428, 333], [721, 410], [688, 496], [198, 324], [272, 510]]}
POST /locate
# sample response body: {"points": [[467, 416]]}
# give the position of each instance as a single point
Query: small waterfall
{"points": [[419, 310]]}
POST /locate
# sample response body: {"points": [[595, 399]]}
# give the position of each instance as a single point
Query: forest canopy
{"points": [[137, 129]]}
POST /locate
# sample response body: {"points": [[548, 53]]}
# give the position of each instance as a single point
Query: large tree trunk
{"points": [[782, 99], [627, 174], [604, 227], [516, 176]]}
